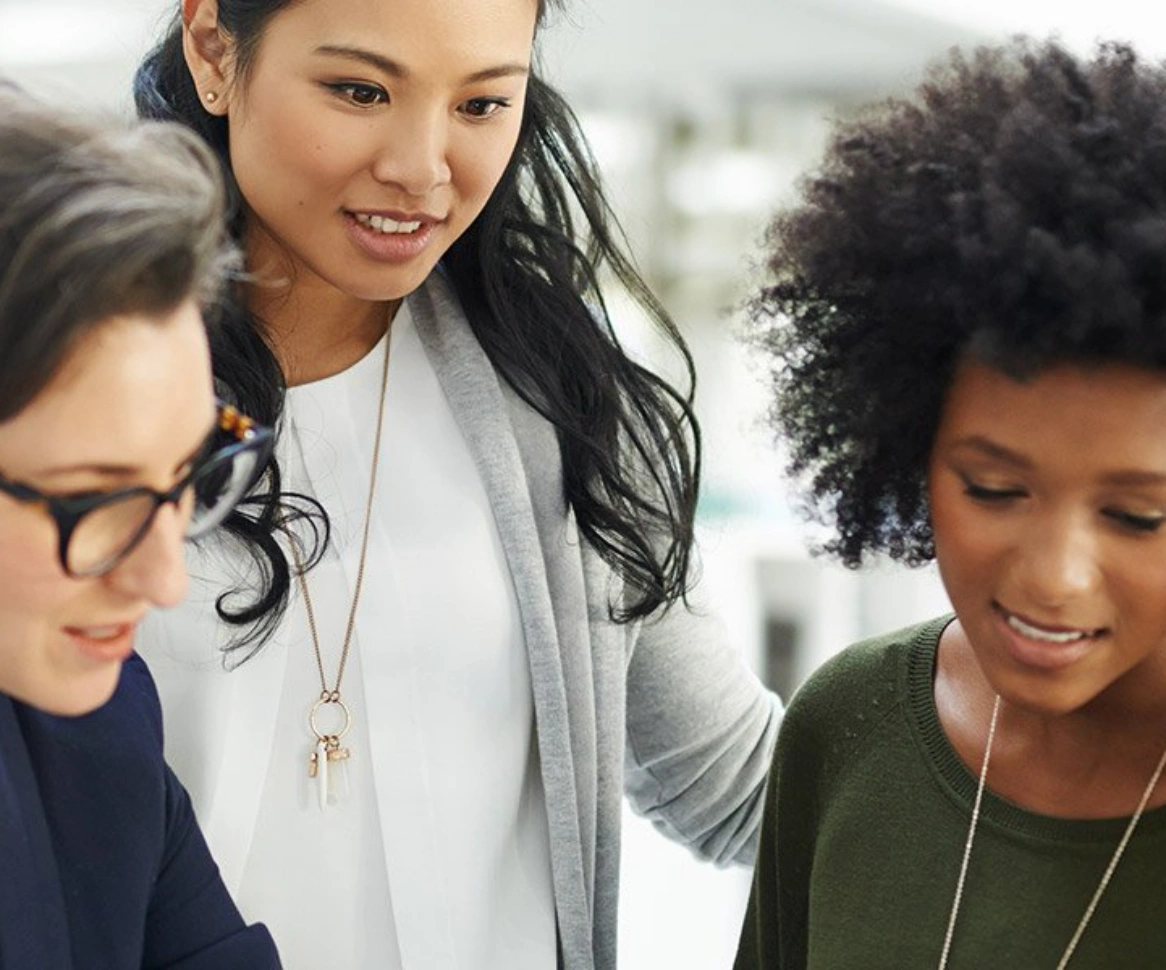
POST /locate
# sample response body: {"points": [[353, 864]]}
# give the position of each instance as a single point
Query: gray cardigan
{"points": [[664, 710]]}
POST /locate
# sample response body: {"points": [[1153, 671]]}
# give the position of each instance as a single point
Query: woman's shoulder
{"points": [[856, 689]]}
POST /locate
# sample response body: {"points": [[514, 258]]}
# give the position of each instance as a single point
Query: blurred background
{"points": [[702, 116]]}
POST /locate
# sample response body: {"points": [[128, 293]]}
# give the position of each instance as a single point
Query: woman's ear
{"points": [[207, 54]]}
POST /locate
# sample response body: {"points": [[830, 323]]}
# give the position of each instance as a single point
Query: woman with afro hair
{"points": [[967, 323]]}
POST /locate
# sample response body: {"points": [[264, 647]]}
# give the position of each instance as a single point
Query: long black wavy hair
{"points": [[526, 272], [1012, 210]]}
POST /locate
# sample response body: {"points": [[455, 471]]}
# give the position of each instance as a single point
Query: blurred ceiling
{"points": [[676, 49], [601, 51]]}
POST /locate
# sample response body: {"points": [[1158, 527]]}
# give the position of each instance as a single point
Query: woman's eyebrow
{"points": [[395, 69], [1122, 477], [112, 470], [1133, 477], [991, 449]]}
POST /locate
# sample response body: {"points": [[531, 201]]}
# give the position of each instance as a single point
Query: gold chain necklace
{"points": [[1105, 878], [328, 751]]}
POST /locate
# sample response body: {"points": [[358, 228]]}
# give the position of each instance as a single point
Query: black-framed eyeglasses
{"points": [[97, 530]]}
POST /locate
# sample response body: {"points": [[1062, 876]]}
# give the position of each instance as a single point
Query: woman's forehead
{"points": [[1099, 415], [130, 387]]}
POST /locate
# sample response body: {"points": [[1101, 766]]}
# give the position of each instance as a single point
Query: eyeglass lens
{"points": [[108, 532], [218, 487]]}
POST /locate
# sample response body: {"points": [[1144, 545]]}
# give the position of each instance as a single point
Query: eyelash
{"points": [[982, 494], [347, 91], [1136, 523], [482, 108], [492, 107], [1127, 520]]}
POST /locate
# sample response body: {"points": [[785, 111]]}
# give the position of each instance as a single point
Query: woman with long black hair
{"points": [[495, 641]]}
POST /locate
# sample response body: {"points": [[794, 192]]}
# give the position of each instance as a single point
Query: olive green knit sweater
{"points": [[866, 818]]}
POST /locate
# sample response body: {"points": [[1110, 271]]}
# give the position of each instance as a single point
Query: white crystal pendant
{"points": [[320, 762], [338, 786], [328, 765]]}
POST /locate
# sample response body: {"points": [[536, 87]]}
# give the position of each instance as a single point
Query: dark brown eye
{"points": [[484, 107], [361, 95]]}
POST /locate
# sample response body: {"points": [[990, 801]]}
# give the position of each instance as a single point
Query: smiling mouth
{"points": [[387, 226], [100, 633], [1043, 635]]}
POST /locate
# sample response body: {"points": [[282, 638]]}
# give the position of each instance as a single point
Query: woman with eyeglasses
{"points": [[113, 450]]}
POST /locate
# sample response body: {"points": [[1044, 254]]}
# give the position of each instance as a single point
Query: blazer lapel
{"points": [[34, 929], [476, 398]]}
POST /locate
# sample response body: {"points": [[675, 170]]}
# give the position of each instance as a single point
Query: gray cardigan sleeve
{"points": [[700, 733]]}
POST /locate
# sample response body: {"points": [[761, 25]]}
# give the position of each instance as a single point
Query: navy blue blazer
{"points": [[102, 865]]}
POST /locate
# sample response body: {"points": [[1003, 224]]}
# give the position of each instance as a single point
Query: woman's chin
{"points": [[75, 696]]}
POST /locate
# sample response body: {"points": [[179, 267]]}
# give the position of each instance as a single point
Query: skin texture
{"points": [[130, 406], [1048, 499], [410, 109]]}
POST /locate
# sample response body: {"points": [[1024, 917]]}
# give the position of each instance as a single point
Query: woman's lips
{"points": [[1045, 646], [106, 643], [390, 238]]}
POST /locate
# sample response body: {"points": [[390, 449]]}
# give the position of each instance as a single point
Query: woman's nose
{"points": [[414, 154], [155, 570], [1059, 562]]}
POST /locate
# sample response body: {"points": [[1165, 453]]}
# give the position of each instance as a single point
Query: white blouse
{"points": [[439, 857]]}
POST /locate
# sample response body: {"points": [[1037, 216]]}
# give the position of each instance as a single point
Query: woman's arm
{"points": [[192, 923], [701, 729]]}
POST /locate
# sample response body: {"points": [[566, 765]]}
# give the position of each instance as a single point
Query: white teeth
{"points": [[384, 224], [102, 632], [1035, 633]]}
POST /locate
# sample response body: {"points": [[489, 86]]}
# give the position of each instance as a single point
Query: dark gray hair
{"points": [[98, 218]]}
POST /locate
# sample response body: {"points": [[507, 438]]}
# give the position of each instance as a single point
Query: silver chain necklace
{"points": [[1101, 886]]}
